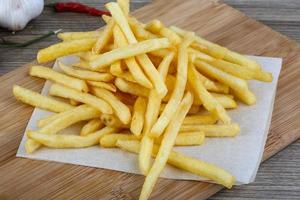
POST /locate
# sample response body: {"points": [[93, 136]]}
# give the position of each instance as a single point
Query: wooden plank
{"points": [[28, 179]]}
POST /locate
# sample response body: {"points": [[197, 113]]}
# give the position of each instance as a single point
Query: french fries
{"points": [[144, 88], [62, 91], [65, 48], [47, 73], [84, 74], [40, 101]]}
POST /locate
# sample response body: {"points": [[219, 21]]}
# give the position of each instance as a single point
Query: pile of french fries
{"points": [[143, 88]]}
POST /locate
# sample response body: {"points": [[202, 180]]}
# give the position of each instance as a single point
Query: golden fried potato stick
{"points": [[74, 103], [67, 36], [65, 48], [214, 130], [177, 94], [131, 63], [128, 51], [186, 163], [186, 139], [65, 92], [67, 118], [131, 88], [109, 141], [142, 58], [237, 84], [37, 100], [70, 141], [154, 26], [221, 52], [120, 109], [99, 84], [92, 126], [116, 70], [104, 37], [209, 102], [112, 121], [125, 6], [166, 146], [84, 74], [50, 74], [200, 119], [137, 121]]}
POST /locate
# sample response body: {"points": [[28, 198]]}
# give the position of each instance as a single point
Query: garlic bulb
{"points": [[15, 14]]}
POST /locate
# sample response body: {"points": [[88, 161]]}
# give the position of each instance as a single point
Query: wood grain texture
{"points": [[49, 180]]}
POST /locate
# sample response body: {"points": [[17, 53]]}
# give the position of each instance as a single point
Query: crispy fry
{"points": [[50, 74], [120, 109], [35, 99], [65, 48], [131, 88], [177, 94], [112, 121], [128, 51], [104, 38], [84, 74], [186, 163], [215, 130], [209, 102], [137, 120], [186, 139], [92, 126], [80, 113], [109, 141], [62, 91], [67, 36], [108, 86], [166, 145], [200, 119], [237, 84], [131, 63], [70, 141]]}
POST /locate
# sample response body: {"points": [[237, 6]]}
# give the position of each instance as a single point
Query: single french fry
{"points": [[209, 102], [137, 120], [120, 109], [110, 140], [200, 119], [112, 121], [62, 91], [131, 88], [186, 163], [177, 94], [67, 36], [142, 58], [159, 28], [92, 126], [99, 84], [237, 84], [37, 100], [74, 103], [65, 48], [186, 139], [154, 26], [104, 38], [67, 118], [84, 74], [128, 51], [124, 5], [166, 146], [215, 130], [70, 141], [131, 63], [221, 52], [50, 74]]}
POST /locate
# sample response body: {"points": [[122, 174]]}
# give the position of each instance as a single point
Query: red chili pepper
{"points": [[80, 8]]}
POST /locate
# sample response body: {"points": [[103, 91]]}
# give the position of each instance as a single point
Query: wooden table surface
{"points": [[277, 178]]}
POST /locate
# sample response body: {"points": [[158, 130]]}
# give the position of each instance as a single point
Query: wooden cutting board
{"points": [[29, 179]]}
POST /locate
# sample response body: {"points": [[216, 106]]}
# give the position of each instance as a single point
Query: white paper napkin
{"points": [[240, 155]]}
